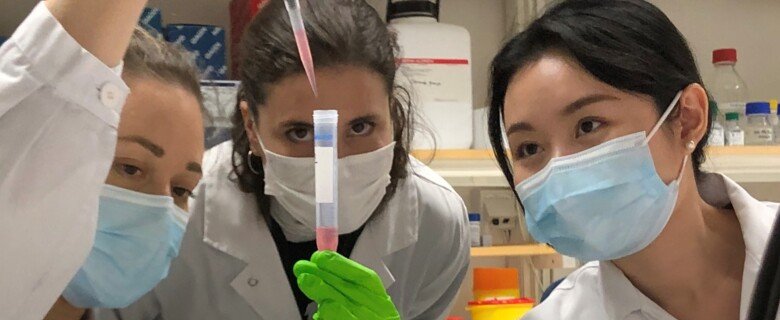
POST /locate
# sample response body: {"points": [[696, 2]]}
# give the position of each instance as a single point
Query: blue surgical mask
{"points": [[604, 203], [137, 237]]}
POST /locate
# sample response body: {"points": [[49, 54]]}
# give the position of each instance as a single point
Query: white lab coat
{"points": [[59, 110], [599, 290], [229, 267]]}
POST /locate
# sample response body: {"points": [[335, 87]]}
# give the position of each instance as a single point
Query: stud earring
{"points": [[691, 145]]}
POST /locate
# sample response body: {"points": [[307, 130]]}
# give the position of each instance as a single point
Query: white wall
{"points": [[751, 26]]}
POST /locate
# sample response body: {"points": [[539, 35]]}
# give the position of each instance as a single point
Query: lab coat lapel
{"points": [[756, 220], [393, 229], [234, 226]]}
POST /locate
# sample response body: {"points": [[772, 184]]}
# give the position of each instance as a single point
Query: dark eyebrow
{"points": [[587, 100], [366, 118], [296, 123], [155, 149], [520, 126], [194, 167]]}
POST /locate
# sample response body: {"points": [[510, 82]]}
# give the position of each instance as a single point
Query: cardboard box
{"points": [[151, 20], [207, 43]]}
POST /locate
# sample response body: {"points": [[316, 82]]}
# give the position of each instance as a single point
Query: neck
{"points": [[700, 251]]}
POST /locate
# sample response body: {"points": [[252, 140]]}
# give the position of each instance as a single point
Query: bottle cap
{"points": [[474, 217], [728, 55], [757, 108], [732, 116]]}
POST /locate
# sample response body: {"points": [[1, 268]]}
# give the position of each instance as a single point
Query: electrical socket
{"points": [[500, 208]]}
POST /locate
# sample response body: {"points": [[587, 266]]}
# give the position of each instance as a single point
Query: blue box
{"points": [[151, 20], [208, 45]]}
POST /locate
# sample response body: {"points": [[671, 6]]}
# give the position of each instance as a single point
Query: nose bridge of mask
{"points": [[135, 197], [664, 116]]}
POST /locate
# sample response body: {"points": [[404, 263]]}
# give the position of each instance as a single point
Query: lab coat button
{"points": [[252, 282], [109, 95]]}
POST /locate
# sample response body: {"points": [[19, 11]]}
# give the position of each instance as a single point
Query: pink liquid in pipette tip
{"points": [[327, 238], [306, 59]]}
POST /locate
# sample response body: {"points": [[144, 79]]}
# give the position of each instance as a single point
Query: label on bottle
{"points": [[716, 137], [726, 107], [438, 80], [761, 136], [735, 138]]}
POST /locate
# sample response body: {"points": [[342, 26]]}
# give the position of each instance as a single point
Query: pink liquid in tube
{"points": [[327, 238], [308, 63]]}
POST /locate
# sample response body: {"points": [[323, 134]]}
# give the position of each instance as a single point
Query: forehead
{"points": [[164, 113], [548, 84], [350, 90]]}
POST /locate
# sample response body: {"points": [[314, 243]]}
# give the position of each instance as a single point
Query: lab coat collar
{"points": [[756, 220], [621, 298], [234, 226]]}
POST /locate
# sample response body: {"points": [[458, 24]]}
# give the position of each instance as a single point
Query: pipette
{"points": [[326, 173], [296, 20]]}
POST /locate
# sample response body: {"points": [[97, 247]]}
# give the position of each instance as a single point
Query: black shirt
{"points": [[292, 252]]}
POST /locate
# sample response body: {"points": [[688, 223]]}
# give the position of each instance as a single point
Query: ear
{"points": [[693, 115], [249, 128]]}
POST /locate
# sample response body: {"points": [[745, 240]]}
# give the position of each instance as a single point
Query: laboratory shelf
{"points": [[478, 168], [525, 250]]}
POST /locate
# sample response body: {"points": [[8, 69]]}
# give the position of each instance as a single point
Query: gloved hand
{"points": [[343, 289]]}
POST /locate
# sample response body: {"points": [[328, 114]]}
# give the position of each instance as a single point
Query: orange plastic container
{"points": [[496, 283], [501, 309]]}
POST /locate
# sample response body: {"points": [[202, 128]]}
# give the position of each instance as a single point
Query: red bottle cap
{"points": [[724, 55]]}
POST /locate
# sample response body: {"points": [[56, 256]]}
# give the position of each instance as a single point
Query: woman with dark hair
{"points": [[156, 165], [253, 216], [606, 119]]}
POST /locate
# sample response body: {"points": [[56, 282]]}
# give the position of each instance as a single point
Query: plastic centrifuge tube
{"points": [[296, 20], [326, 173]]}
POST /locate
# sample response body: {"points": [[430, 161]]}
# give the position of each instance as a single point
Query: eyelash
{"points": [[291, 134], [596, 128], [187, 191], [371, 125]]}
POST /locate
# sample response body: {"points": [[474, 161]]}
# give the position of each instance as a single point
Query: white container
{"points": [[475, 231], [727, 85], [759, 132], [435, 65], [735, 136]]}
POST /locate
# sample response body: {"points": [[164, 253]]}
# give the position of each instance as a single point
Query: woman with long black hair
{"points": [[607, 118]]}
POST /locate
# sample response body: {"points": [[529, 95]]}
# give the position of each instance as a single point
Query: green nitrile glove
{"points": [[343, 289]]}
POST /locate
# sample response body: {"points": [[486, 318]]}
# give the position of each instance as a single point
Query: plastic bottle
{"points": [[728, 87], [435, 65], [777, 126], [759, 132], [774, 119], [717, 133], [474, 229], [735, 136]]}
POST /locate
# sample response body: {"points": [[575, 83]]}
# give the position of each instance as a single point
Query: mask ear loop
{"points": [[663, 117], [250, 154]]}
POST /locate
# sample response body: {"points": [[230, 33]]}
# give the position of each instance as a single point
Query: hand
{"points": [[102, 27], [343, 289]]}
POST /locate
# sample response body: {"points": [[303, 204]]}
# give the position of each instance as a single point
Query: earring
{"points": [[691, 145], [249, 163]]}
